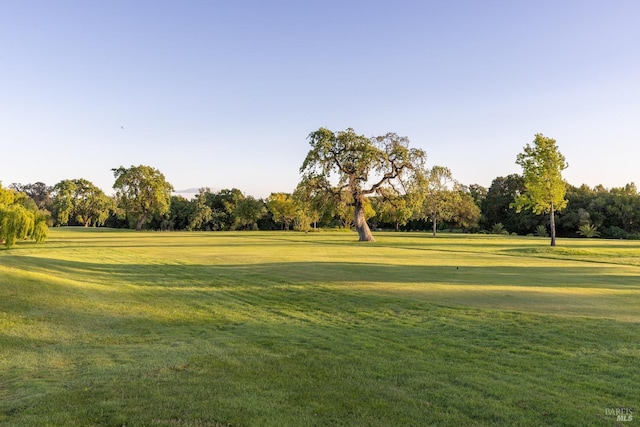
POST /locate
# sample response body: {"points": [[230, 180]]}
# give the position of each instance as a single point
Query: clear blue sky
{"points": [[224, 93]]}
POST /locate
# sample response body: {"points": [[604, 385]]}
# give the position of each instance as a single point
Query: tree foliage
{"points": [[283, 208], [180, 212], [81, 200], [360, 166], [227, 209], [39, 192], [396, 209], [498, 206], [201, 213], [20, 219], [614, 212], [324, 198], [542, 165], [141, 192], [310, 205], [247, 212], [465, 212], [437, 201]]}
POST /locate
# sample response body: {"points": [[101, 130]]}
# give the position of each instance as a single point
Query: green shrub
{"points": [[541, 231], [614, 232], [498, 228], [588, 230]]}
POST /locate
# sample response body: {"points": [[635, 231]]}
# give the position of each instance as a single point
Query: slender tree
{"points": [[436, 205], [542, 165], [361, 166]]}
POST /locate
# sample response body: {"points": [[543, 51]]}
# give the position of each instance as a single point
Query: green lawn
{"points": [[116, 328]]}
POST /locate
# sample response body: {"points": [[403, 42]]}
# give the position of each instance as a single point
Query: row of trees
{"points": [[612, 213], [348, 180], [385, 167]]}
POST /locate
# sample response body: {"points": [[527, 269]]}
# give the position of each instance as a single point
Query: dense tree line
{"points": [[348, 181], [610, 213]]}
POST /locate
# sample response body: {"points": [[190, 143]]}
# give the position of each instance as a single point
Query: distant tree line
{"points": [[609, 213], [348, 181]]}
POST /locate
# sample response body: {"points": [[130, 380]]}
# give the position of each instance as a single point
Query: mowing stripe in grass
{"points": [[114, 328]]}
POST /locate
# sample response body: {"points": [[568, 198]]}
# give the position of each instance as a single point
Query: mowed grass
{"points": [[116, 328]]}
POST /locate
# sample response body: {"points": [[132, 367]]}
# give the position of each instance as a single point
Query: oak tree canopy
{"points": [[345, 162]]}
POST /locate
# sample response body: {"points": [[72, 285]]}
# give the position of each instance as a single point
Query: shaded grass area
{"points": [[287, 329]]}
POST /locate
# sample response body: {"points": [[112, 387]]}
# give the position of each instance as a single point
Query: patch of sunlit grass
{"points": [[115, 327]]}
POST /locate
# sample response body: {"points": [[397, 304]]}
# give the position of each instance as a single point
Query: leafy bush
{"points": [[541, 231], [588, 230], [498, 228], [614, 232]]}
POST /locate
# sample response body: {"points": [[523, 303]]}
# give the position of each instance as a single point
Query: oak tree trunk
{"points": [[435, 224], [364, 233], [140, 222]]}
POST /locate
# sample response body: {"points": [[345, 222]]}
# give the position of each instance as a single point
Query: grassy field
{"points": [[120, 328]]}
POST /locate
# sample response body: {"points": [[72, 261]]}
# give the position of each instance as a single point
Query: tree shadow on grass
{"points": [[592, 276], [306, 331]]}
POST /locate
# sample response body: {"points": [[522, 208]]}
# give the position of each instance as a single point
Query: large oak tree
{"points": [[345, 161], [142, 191]]}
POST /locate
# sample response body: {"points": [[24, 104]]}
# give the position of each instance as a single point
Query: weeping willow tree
{"points": [[18, 220]]}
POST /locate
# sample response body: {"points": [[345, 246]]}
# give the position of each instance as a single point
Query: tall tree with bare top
{"points": [[344, 161], [542, 165]]}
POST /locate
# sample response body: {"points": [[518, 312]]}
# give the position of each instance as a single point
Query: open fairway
{"points": [[103, 327]]}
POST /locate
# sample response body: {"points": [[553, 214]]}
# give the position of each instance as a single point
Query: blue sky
{"points": [[224, 93]]}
